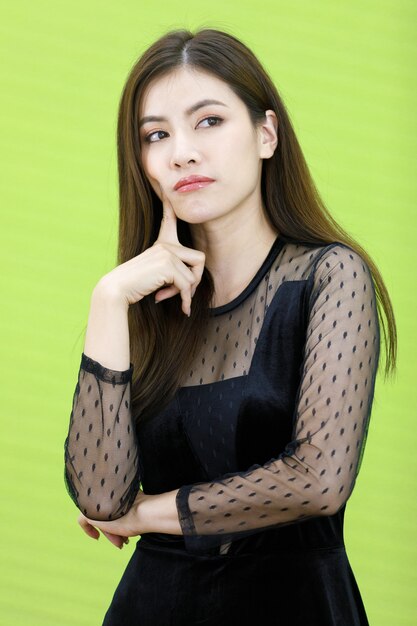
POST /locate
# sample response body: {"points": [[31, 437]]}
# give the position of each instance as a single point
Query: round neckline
{"points": [[224, 308]]}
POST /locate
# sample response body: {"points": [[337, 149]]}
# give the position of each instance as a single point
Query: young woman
{"points": [[227, 378]]}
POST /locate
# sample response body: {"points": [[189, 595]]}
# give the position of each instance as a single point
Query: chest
{"points": [[227, 425]]}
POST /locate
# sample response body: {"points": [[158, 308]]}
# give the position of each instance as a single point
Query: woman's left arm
{"points": [[316, 472]]}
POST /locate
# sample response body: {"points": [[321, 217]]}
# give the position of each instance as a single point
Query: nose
{"points": [[184, 152]]}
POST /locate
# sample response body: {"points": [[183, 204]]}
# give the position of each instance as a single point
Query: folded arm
{"points": [[316, 472]]}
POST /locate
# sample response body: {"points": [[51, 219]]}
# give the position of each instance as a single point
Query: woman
{"points": [[240, 405]]}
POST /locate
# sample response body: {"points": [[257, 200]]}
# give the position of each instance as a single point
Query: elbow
{"points": [[330, 507], [101, 512], [106, 508], [328, 499]]}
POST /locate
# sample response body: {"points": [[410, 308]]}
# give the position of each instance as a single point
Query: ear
{"points": [[268, 135]]}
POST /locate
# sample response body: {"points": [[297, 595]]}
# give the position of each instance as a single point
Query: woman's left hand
{"points": [[117, 531]]}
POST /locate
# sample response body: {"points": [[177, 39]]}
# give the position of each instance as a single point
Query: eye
{"points": [[148, 139], [157, 135], [213, 117]]}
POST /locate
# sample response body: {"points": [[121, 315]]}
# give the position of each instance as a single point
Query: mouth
{"points": [[191, 183]]}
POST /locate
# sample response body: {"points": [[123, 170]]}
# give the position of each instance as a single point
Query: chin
{"points": [[194, 219], [197, 215]]}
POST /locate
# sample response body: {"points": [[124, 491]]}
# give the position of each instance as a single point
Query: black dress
{"points": [[264, 440]]}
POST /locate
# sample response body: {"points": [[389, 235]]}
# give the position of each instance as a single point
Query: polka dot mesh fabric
{"points": [[101, 455], [230, 339], [315, 473]]}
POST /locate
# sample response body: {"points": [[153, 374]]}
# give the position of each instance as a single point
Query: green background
{"points": [[346, 72]]}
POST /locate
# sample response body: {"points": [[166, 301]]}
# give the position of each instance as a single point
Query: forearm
{"points": [[107, 337], [101, 456]]}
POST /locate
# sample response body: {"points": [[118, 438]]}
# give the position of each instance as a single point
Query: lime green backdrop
{"points": [[346, 73]]}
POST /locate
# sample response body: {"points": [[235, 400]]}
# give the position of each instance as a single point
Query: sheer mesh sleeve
{"points": [[101, 453], [316, 472]]}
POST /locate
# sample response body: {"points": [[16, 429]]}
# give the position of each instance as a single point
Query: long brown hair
{"points": [[163, 341]]}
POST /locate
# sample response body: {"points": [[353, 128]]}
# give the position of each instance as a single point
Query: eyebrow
{"points": [[192, 109]]}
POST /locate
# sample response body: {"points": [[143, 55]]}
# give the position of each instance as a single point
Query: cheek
{"points": [[149, 167], [150, 170], [239, 148]]}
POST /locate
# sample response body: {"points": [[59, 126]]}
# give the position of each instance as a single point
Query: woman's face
{"points": [[216, 140]]}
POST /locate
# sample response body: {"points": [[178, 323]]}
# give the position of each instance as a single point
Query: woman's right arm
{"points": [[101, 453]]}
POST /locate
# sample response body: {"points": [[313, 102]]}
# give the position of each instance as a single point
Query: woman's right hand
{"points": [[167, 267]]}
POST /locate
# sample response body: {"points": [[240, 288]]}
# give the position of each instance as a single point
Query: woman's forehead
{"points": [[184, 84]]}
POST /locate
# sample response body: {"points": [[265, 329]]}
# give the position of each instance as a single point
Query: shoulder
{"points": [[318, 264], [314, 259], [338, 258], [324, 263], [339, 272]]}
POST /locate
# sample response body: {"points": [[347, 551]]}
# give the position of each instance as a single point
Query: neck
{"points": [[234, 253]]}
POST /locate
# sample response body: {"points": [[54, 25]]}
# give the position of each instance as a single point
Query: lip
{"points": [[191, 180]]}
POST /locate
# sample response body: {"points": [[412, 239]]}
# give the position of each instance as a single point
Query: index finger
{"points": [[168, 230]]}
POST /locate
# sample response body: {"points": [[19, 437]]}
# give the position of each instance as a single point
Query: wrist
{"points": [[158, 513], [106, 292], [144, 515]]}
